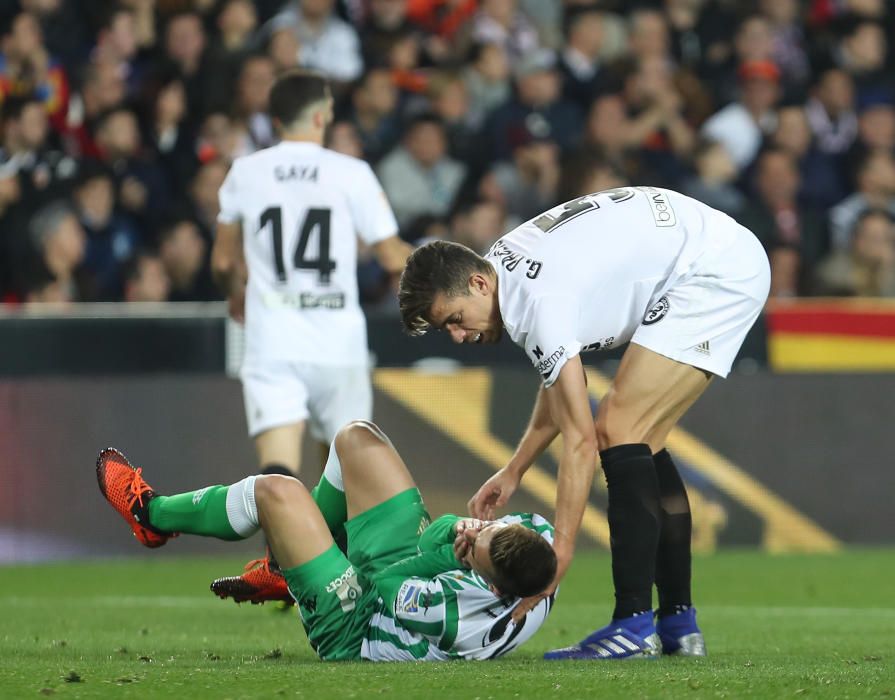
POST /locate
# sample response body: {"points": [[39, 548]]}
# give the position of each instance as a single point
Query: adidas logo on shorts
{"points": [[703, 347]]}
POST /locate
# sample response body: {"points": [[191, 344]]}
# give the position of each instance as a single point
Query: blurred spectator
{"points": [[342, 137], [536, 108], [500, 22], [450, 102], [282, 50], [831, 111], [385, 20], [822, 183], [236, 24], [753, 43], [27, 68], [252, 92], [204, 194], [582, 73], [374, 102], [656, 124], [116, 46], [184, 255], [185, 44], [794, 236], [418, 176], [443, 18], [169, 133], [526, 185], [477, 224], [876, 125], [218, 138], [112, 238], [326, 43], [102, 89], [789, 47], [65, 27], [42, 171], [60, 245], [648, 36], [867, 268], [142, 188], [862, 53], [741, 125], [145, 278], [714, 178], [487, 79], [875, 180]]}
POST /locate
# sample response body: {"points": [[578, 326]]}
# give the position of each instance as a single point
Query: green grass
{"points": [[776, 626]]}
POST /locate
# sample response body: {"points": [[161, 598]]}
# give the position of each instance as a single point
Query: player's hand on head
{"points": [[463, 542], [493, 494]]}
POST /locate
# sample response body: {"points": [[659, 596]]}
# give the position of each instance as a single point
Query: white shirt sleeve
{"points": [[552, 338], [373, 217], [228, 199]]}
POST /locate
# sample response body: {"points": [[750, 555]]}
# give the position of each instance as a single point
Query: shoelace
{"points": [[262, 562], [137, 488]]}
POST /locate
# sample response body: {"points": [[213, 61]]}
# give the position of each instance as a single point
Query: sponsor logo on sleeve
{"points": [[663, 214], [408, 600], [347, 589], [657, 313], [546, 365]]}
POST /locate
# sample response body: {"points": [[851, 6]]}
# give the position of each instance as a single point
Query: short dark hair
{"points": [[437, 267], [295, 91], [524, 562]]}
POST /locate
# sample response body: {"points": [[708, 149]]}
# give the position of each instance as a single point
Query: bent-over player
{"points": [[405, 590], [679, 280]]}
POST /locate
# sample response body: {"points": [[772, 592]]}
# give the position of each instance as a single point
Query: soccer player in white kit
{"points": [[290, 217], [681, 282]]}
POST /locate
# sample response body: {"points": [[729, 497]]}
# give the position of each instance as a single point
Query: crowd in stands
{"points": [[120, 120]]}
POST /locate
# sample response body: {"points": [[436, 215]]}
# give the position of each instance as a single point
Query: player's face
{"points": [[479, 556], [472, 317]]}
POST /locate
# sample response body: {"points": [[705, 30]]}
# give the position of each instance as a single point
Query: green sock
{"points": [[202, 512]]}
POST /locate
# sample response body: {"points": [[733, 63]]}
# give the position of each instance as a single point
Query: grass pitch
{"points": [[776, 627]]}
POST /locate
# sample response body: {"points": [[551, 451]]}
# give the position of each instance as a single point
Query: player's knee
{"points": [[271, 489], [358, 434]]}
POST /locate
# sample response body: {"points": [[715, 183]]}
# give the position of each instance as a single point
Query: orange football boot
{"points": [[262, 581], [125, 490]]}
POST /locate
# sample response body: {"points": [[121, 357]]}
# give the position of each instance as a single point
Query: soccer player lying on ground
{"points": [[405, 589]]}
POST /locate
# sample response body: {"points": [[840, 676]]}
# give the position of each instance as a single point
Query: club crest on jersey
{"points": [[408, 599], [657, 313]]}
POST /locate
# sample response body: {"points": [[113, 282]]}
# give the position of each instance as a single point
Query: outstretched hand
{"points": [[493, 494]]}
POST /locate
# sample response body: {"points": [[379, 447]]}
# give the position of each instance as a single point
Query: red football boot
{"points": [[262, 581]]}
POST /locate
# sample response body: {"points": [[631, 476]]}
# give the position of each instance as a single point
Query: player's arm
{"points": [[228, 266], [570, 406], [392, 254], [425, 565], [540, 432], [440, 532]]}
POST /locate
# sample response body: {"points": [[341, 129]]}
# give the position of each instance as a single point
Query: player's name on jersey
{"points": [[304, 300], [295, 172]]}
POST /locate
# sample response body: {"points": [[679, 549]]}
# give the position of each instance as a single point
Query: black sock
{"points": [[633, 525], [274, 468], [673, 557]]}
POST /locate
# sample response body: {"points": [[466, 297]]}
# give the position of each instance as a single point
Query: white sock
{"points": [[241, 509]]}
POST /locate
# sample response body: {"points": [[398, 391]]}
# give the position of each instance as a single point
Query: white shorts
{"points": [[703, 321], [281, 392]]}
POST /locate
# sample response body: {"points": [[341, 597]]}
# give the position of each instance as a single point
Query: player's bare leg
{"points": [[647, 398], [281, 446], [372, 469]]}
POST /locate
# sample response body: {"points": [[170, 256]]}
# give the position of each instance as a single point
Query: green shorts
{"points": [[336, 597]]}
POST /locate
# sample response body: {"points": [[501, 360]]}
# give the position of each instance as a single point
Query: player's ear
{"points": [[479, 283]]}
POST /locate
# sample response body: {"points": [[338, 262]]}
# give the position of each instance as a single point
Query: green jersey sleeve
{"points": [[425, 565], [439, 532]]}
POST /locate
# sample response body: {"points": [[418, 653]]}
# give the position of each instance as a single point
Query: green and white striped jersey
{"points": [[430, 610]]}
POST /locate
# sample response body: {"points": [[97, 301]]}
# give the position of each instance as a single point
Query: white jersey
{"points": [[453, 615], [302, 208], [586, 274]]}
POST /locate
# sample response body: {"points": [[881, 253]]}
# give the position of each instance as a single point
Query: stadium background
{"points": [[119, 121]]}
